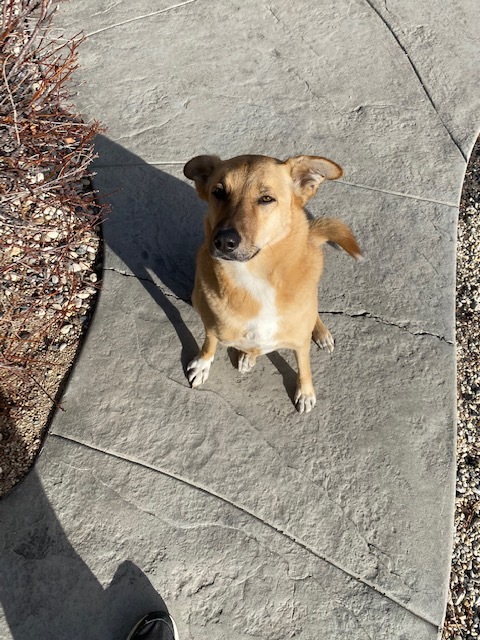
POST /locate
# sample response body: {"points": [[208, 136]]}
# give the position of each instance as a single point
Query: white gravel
{"points": [[463, 610]]}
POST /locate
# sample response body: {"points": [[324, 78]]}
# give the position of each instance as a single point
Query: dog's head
{"points": [[253, 200]]}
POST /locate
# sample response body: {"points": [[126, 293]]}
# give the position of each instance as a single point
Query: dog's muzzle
{"points": [[225, 246]]}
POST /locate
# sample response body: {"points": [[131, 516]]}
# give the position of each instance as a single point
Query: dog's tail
{"points": [[332, 230]]}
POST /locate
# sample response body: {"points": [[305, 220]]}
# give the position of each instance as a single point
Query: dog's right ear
{"points": [[308, 173], [199, 169]]}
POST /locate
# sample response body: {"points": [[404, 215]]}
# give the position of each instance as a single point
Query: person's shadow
{"points": [[155, 228], [47, 592]]}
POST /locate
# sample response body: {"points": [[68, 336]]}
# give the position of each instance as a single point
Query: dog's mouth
{"points": [[233, 256]]}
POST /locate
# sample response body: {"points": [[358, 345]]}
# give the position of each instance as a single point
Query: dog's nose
{"points": [[226, 240]]}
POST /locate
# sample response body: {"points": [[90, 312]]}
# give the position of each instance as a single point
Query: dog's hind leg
{"points": [[322, 336], [304, 398], [199, 367]]}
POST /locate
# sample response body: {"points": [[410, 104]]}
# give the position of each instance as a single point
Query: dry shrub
{"points": [[48, 211]]}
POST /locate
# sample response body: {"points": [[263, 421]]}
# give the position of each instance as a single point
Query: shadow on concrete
{"points": [[155, 228], [47, 592], [289, 377]]}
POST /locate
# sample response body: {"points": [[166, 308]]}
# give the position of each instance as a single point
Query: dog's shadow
{"points": [[289, 376], [155, 228]]}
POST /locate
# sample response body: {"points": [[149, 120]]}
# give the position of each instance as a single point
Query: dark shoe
{"points": [[154, 626]]}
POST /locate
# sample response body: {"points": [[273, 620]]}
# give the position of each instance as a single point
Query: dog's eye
{"points": [[219, 192], [266, 200]]}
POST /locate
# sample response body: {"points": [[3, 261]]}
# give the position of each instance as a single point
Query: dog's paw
{"points": [[198, 370], [323, 339], [304, 402], [246, 362]]}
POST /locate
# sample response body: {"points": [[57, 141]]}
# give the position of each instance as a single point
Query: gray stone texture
{"points": [[242, 517], [71, 562]]}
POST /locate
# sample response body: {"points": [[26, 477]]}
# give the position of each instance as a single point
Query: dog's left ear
{"points": [[308, 173], [200, 169]]}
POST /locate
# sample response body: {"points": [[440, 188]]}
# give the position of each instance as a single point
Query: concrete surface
{"points": [[245, 519]]}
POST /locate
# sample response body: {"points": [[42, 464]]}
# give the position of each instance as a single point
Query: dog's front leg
{"points": [[322, 336], [199, 367], [305, 398]]}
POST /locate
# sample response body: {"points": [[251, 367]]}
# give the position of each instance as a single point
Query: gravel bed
{"points": [[463, 609], [48, 235], [49, 284]]}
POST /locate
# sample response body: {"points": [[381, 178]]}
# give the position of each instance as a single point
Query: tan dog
{"points": [[256, 282]]}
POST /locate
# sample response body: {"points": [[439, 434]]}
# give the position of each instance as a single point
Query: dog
{"points": [[257, 272]]}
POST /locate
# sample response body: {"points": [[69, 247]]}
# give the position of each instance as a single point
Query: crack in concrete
{"points": [[371, 547], [292, 35], [371, 316], [210, 493], [175, 524], [283, 461], [146, 15], [321, 99], [359, 314], [107, 10], [323, 489], [359, 626], [388, 564], [122, 498], [386, 7], [417, 74], [139, 132], [362, 535], [204, 585], [262, 438], [429, 262], [166, 292], [296, 470], [297, 36]]}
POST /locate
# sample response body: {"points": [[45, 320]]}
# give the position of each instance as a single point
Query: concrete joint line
{"points": [[397, 193], [283, 532], [180, 163], [417, 74], [160, 163], [146, 15], [370, 316]]}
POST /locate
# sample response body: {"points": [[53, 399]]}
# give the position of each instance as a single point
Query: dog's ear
{"points": [[308, 173], [199, 169]]}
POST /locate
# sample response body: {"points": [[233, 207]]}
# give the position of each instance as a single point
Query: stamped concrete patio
{"points": [[223, 504]]}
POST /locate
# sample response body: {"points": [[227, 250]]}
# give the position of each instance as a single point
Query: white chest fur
{"points": [[260, 332]]}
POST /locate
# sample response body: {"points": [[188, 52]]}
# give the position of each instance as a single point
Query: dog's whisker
{"points": [[270, 247]]}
